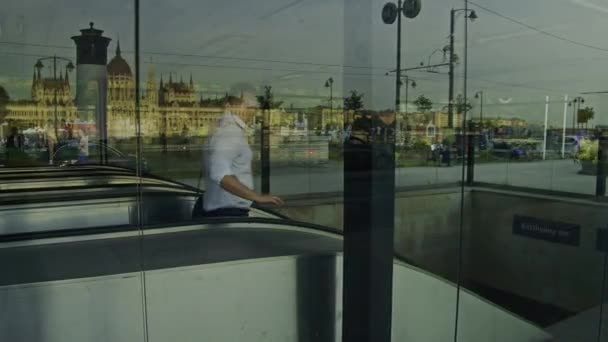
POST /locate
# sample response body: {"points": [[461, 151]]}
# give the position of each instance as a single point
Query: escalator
{"points": [[261, 278], [53, 199]]}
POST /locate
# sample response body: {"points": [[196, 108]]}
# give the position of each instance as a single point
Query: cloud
{"points": [[518, 34], [591, 5]]}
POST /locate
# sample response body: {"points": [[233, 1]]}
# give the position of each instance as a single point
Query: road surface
{"points": [[558, 175]]}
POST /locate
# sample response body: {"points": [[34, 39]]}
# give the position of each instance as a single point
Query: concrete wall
{"points": [[244, 300], [427, 233], [569, 277], [427, 224]]}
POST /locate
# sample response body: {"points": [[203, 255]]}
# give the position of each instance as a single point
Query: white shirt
{"points": [[227, 153], [83, 146]]}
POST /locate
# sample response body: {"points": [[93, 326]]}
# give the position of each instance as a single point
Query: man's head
{"points": [[242, 96]]}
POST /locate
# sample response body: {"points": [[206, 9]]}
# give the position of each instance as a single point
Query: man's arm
{"points": [[231, 184]]}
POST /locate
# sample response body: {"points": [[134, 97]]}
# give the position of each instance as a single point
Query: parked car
{"points": [[506, 150], [68, 155]]}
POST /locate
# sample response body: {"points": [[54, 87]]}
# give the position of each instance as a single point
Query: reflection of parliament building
{"points": [[172, 106]]}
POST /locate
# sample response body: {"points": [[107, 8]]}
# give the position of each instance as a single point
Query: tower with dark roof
{"points": [[91, 78]]}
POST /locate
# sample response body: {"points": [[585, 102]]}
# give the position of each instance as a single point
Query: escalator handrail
{"points": [[66, 233]]}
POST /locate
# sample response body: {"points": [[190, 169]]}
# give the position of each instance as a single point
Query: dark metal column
{"points": [[369, 194], [369, 198]]}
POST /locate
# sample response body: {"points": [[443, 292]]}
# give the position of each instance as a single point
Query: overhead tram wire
{"points": [[534, 28], [317, 72], [246, 59]]}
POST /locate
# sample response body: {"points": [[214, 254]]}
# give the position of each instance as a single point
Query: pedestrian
{"points": [[83, 146], [12, 147], [229, 189], [51, 140]]}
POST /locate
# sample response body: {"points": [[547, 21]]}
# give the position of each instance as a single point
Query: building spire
{"points": [[118, 47], [67, 77], [34, 78]]}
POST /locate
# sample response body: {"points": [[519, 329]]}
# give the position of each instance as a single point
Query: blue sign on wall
{"points": [[552, 231]]}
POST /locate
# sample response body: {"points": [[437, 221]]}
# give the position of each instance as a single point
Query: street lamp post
{"points": [[408, 82], [471, 15], [576, 106], [330, 84], [69, 67], [390, 13], [479, 95]]}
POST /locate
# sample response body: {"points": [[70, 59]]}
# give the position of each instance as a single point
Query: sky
{"points": [[296, 45]]}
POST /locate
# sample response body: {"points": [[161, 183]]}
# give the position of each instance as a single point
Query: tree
{"points": [[462, 105], [354, 101], [423, 103], [266, 101], [4, 100], [585, 115]]}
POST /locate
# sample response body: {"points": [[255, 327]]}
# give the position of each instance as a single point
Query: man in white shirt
{"points": [[83, 147], [228, 176]]}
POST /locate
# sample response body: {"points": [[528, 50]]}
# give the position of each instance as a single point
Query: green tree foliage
{"points": [[354, 101], [462, 105], [423, 103], [4, 99], [585, 115], [266, 101]]}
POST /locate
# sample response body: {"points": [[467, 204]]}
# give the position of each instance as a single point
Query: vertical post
{"points": [[602, 161], [578, 107], [564, 127], [470, 157], [265, 152], [545, 130], [369, 193], [481, 109], [407, 89], [398, 72], [451, 74], [573, 103], [55, 93], [331, 99]]}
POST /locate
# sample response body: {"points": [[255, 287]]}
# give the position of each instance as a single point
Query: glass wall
{"points": [[164, 161]]}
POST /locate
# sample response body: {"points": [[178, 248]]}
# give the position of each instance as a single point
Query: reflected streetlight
{"points": [[576, 106], [472, 16], [390, 13], [330, 84], [408, 82], [479, 95], [69, 68]]}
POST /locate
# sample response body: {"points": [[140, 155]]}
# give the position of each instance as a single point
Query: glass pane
{"points": [[532, 235], [68, 204]]}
